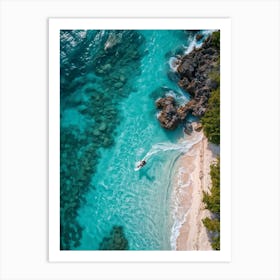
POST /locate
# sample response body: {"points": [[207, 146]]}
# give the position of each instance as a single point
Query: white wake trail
{"points": [[181, 147]]}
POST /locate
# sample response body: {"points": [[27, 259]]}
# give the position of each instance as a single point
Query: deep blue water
{"points": [[109, 83]]}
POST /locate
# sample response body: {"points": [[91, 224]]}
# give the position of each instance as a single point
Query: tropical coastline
{"points": [[130, 97], [191, 179], [196, 210]]}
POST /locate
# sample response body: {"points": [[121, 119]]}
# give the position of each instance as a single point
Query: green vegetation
{"points": [[211, 118], [216, 39], [212, 203], [215, 74], [213, 227], [211, 127]]}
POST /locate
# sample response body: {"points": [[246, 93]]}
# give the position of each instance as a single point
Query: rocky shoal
{"points": [[193, 76]]}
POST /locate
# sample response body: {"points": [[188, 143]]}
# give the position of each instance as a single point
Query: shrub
{"points": [[216, 39], [211, 118], [212, 203]]}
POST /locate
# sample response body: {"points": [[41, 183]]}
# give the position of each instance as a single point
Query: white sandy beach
{"points": [[192, 177]]}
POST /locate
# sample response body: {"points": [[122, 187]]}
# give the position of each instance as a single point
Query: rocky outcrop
{"points": [[168, 116], [194, 77], [171, 115], [198, 37], [188, 128], [194, 70], [197, 126]]}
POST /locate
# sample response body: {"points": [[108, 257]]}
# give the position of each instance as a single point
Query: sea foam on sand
{"points": [[191, 178]]}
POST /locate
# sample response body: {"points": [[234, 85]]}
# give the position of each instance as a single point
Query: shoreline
{"points": [[191, 178]]}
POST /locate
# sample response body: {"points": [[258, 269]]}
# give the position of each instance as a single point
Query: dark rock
{"points": [[168, 120], [203, 92], [193, 76], [168, 117], [182, 112], [198, 37], [184, 82], [186, 68], [209, 51], [165, 101], [194, 70], [197, 126], [188, 129], [212, 84], [191, 87]]}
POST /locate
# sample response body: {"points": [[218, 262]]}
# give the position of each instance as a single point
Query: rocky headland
{"points": [[196, 180], [197, 74]]}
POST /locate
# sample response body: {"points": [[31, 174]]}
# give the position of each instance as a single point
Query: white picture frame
{"points": [[55, 25], [24, 143]]}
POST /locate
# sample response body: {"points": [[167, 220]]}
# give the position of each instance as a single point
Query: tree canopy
{"points": [[212, 203]]}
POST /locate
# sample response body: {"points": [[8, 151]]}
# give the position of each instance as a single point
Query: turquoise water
{"points": [[108, 124]]}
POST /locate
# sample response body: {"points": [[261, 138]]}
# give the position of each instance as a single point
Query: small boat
{"points": [[140, 164]]}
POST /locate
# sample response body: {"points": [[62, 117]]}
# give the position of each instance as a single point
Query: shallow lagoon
{"points": [[109, 83]]}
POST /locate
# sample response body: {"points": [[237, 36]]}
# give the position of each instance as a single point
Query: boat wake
{"points": [[181, 147]]}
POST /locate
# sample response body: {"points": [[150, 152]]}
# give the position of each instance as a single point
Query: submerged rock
{"points": [[103, 126], [118, 85], [197, 126], [106, 81], [198, 37], [188, 129], [96, 132], [116, 240]]}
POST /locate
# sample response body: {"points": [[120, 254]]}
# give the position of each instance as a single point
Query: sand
{"points": [[192, 177]]}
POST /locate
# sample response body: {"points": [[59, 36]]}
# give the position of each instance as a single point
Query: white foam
{"points": [[176, 230], [173, 63], [178, 96], [181, 172], [112, 40], [158, 114], [163, 147], [194, 44], [171, 93], [82, 34], [181, 147], [179, 214], [208, 32]]}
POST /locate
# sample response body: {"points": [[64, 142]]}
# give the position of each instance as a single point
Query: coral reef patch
{"points": [[116, 240], [96, 70]]}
